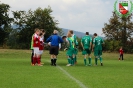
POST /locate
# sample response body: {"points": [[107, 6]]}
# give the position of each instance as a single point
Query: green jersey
{"points": [[71, 42], [86, 40], [98, 43], [75, 39]]}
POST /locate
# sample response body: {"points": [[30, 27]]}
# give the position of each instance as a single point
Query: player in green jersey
{"points": [[86, 43], [70, 49], [76, 44], [97, 46]]}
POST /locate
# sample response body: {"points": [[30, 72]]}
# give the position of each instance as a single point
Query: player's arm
{"points": [[67, 44], [82, 44], [60, 39], [93, 45], [90, 43], [49, 39]]}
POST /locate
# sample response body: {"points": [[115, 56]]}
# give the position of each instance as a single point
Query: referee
{"points": [[55, 39]]}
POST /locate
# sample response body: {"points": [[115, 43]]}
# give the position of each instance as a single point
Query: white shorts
{"points": [[41, 51], [36, 50]]}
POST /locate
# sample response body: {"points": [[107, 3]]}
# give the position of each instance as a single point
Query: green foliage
{"points": [[27, 21], [5, 23], [118, 30]]}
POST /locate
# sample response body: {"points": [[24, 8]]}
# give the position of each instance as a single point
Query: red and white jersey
{"points": [[41, 47], [36, 40]]}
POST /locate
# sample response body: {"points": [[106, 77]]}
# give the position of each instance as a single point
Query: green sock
{"points": [[101, 59], [89, 61], [85, 61], [75, 58], [69, 61], [95, 61], [72, 61]]}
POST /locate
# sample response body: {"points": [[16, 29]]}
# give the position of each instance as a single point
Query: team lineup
{"points": [[88, 44]]}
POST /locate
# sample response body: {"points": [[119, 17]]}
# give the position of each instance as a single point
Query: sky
{"points": [[79, 15]]}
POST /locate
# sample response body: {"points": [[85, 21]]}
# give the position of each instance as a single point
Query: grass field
{"points": [[17, 72]]}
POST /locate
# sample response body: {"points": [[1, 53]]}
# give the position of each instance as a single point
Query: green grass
{"points": [[16, 71]]}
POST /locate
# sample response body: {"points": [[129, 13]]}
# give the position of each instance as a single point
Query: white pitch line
{"points": [[77, 81]]}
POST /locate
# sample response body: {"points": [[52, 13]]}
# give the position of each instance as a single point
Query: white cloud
{"points": [[79, 15]]}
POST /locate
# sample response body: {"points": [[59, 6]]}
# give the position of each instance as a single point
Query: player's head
{"points": [[87, 33], [42, 31], [37, 31], [95, 34], [55, 32], [64, 37], [69, 34], [71, 31]]}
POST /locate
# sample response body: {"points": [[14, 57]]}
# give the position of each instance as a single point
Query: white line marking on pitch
{"points": [[77, 81]]}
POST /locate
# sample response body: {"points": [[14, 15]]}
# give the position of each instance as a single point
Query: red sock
{"points": [[38, 60], [34, 60]]}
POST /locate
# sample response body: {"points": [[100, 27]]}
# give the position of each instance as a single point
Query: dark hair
{"points": [[87, 33], [71, 31], [40, 34], [95, 34], [63, 37], [42, 30]]}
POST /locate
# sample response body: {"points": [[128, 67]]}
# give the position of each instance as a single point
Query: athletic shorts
{"points": [[70, 52], [41, 51], [75, 51], [97, 52], [36, 50], [54, 50], [86, 51]]}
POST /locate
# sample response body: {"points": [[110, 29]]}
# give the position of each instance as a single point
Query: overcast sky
{"points": [[78, 15]]}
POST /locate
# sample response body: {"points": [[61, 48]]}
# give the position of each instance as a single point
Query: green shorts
{"points": [[97, 52], [70, 52], [86, 51], [75, 51]]}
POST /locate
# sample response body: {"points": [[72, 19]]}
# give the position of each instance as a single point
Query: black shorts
{"points": [[54, 50]]}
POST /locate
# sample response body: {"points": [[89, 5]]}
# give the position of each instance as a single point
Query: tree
{"points": [[119, 29], [27, 21], [5, 22]]}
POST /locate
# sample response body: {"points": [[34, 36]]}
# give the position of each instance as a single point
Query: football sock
{"points": [[89, 61], [34, 60], [85, 61], [101, 59], [72, 61], [95, 61], [75, 58], [38, 60], [69, 61], [52, 61]]}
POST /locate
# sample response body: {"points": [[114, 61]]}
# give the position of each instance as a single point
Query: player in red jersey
{"points": [[36, 44], [121, 53], [32, 53], [41, 47]]}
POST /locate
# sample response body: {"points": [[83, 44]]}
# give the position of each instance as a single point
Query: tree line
{"points": [[16, 31]]}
